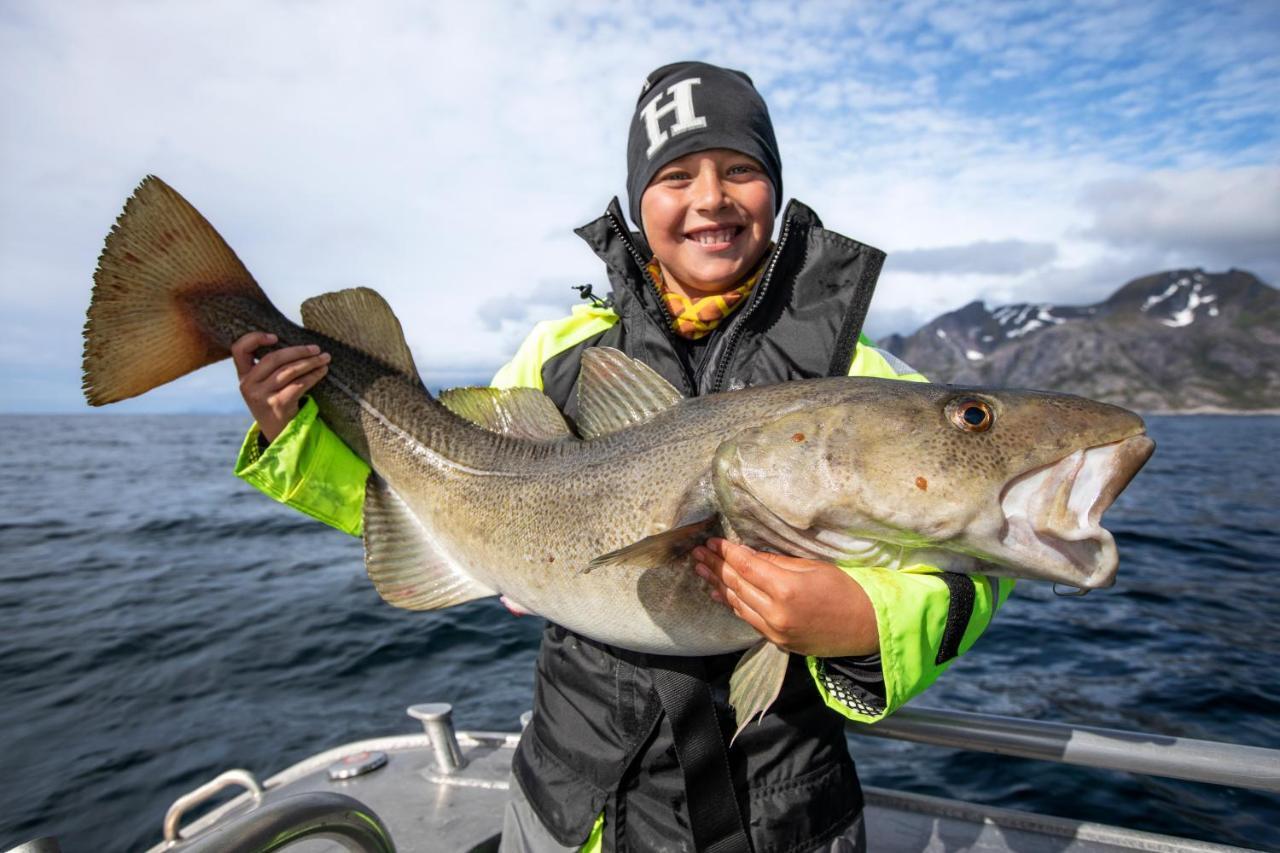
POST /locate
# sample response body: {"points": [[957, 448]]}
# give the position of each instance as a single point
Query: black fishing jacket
{"points": [[639, 737]]}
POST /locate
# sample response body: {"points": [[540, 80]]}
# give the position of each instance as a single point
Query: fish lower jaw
{"points": [[1051, 528], [1086, 562], [759, 527]]}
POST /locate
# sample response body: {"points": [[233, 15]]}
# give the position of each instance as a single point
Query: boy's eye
{"points": [[675, 176], [742, 169]]}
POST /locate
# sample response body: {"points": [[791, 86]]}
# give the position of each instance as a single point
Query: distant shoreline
{"points": [[1211, 410]]}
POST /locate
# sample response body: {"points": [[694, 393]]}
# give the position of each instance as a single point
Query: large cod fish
{"points": [[487, 492]]}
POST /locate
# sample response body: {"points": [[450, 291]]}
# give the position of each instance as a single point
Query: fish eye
{"points": [[971, 415]]}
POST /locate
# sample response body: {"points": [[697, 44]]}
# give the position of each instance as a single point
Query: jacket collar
{"points": [[625, 252]]}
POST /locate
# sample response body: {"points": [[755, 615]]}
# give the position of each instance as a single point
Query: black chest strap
{"points": [[715, 815]]}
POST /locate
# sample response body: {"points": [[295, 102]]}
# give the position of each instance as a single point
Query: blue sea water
{"points": [[162, 622]]}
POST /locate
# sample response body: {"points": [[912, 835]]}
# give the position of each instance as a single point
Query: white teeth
{"points": [[707, 238]]}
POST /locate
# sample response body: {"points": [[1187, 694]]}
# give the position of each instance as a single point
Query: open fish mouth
{"points": [[1053, 514]]}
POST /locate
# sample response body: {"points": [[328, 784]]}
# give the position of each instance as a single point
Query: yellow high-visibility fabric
{"points": [[910, 604], [309, 468], [547, 340]]}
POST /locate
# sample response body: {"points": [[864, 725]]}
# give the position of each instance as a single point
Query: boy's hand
{"points": [[805, 606], [273, 385]]}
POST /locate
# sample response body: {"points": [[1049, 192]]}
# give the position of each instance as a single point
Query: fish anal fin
{"points": [[661, 549], [756, 682], [407, 567], [520, 412], [616, 391], [360, 318]]}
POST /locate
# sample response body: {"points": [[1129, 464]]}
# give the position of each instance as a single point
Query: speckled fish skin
{"points": [[873, 471], [524, 518]]}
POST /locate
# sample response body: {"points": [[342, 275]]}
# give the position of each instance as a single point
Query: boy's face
{"points": [[708, 217]]}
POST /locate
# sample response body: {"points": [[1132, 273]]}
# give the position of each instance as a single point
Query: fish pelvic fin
{"points": [[360, 318], [616, 391], [407, 566], [519, 412], [661, 549], [161, 259], [756, 682]]}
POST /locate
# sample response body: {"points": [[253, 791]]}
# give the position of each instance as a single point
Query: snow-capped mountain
{"points": [[1173, 341]]}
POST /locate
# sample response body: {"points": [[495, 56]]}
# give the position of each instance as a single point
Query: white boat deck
{"points": [[426, 809]]}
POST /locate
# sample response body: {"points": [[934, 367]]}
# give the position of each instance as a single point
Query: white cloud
{"points": [[442, 154], [990, 257], [1220, 216]]}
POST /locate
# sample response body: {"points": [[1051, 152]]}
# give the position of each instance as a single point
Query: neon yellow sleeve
{"points": [[911, 604], [308, 468], [911, 608]]}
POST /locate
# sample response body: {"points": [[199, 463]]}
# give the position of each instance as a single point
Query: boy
{"points": [[626, 750]]}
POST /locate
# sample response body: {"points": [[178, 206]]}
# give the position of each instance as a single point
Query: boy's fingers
{"points": [[753, 568], [273, 361], [311, 379], [710, 566], [245, 346], [295, 369], [793, 564], [757, 599], [725, 575], [291, 393], [746, 612]]}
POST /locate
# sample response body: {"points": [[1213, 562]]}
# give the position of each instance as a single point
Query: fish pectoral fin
{"points": [[406, 566], [360, 318], [661, 549], [521, 412], [756, 682], [616, 391]]}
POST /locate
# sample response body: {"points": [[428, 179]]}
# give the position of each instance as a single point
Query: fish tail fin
{"points": [[160, 258]]}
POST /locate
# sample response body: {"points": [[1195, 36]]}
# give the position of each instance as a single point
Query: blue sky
{"points": [[442, 153]]}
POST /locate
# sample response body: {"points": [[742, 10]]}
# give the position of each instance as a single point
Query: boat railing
{"points": [[452, 750], [1113, 749]]}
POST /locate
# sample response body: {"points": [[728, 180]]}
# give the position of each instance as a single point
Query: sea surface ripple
{"points": [[164, 622]]}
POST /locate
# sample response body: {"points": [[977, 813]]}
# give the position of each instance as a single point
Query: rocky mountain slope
{"points": [[1181, 340]]}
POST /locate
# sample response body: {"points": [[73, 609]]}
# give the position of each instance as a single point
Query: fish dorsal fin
{"points": [[407, 566], [360, 318], [615, 392], [519, 412]]}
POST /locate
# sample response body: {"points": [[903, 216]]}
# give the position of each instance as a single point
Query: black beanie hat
{"points": [[692, 106]]}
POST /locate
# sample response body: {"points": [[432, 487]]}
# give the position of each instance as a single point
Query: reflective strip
{"points": [[870, 360], [899, 366]]}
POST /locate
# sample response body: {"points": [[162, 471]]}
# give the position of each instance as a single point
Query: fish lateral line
{"points": [[435, 457]]}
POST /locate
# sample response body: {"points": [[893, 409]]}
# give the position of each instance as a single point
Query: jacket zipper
{"points": [[722, 366], [691, 385]]}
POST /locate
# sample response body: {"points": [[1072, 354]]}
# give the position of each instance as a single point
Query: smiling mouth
{"points": [[715, 237]]}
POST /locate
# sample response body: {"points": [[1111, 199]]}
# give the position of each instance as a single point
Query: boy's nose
{"points": [[708, 192]]}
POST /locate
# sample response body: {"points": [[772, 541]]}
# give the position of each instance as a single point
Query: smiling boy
{"points": [[628, 751]]}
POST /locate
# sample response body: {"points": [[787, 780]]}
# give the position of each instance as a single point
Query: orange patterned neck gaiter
{"points": [[696, 318]]}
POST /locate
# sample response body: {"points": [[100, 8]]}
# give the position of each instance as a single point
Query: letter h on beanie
{"points": [[693, 106]]}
